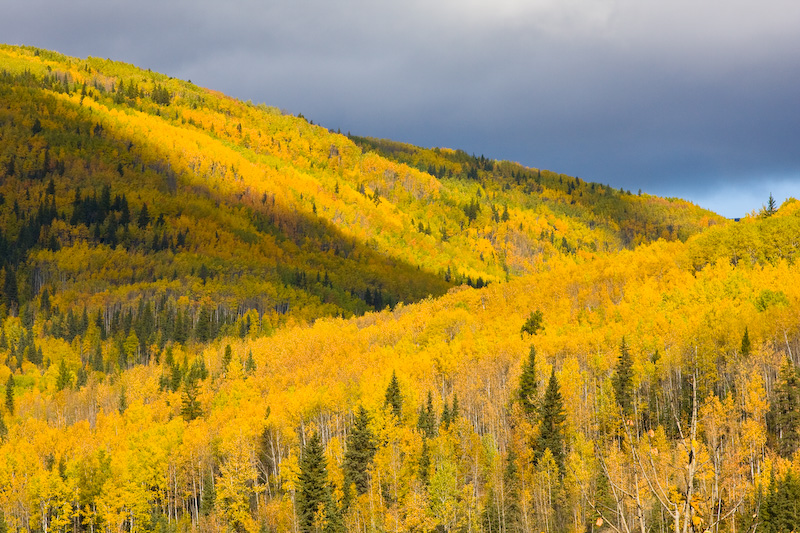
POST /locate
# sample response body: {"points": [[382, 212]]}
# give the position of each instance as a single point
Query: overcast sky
{"points": [[692, 98]]}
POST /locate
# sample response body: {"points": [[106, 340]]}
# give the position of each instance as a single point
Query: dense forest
{"points": [[216, 316]]}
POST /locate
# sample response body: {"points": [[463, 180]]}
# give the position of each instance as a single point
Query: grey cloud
{"points": [[675, 97]]}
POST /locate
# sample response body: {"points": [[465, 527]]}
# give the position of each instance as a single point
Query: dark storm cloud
{"points": [[680, 98]]}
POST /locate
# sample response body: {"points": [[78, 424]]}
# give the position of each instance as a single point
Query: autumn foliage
{"points": [[215, 316]]}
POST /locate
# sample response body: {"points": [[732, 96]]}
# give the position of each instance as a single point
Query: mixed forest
{"points": [[218, 316]]}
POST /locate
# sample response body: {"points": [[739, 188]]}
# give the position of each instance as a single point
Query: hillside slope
{"points": [[194, 289]]}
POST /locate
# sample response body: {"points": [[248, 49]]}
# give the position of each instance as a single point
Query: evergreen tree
{"points": [[426, 422], [781, 508], [10, 394], [746, 346], [3, 429], [360, 452], [425, 464], [623, 379], [784, 414], [10, 294], [209, 494], [528, 385], [445, 421], [202, 330], [533, 324], [512, 515], [226, 359], [551, 436], [123, 400], [190, 408], [313, 493], [250, 363], [394, 398], [64, 378]]}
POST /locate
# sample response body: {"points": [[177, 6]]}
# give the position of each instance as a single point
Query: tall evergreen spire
{"points": [[360, 451], [393, 397], [528, 386], [551, 435]]}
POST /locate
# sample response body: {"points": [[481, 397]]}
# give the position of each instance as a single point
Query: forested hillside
{"points": [[220, 317]]}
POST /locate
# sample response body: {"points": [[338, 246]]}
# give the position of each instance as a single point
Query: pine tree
{"points": [[445, 421], [64, 378], [313, 493], [123, 400], [360, 452], [10, 394], [426, 422], [250, 363], [190, 408], [209, 494], [394, 398], [10, 294], [623, 378], [784, 413], [746, 346], [528, 385], [226, 359], [551, 435], [512, 515], [425, 464]]}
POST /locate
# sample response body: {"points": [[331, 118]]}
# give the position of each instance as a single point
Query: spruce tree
{"points": [[426, 422], [313, 492], [425, 463], [746, 346], [209, 494], [64, 378], [551, 435], [10, 294], [512, 515], [623, 378], [10, 394], [528, 386], [190, 408], [360, 452], [784, 413], [123, 400], [393, 397]]}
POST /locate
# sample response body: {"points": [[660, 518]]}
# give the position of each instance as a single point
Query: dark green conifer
{"points": [[209, 494], [512, 515], [528, 393], [425, 463], [123, 400], [394, 398], [553, 417], [313, 492], [250, 363], [360, 452], [226, 358], [10, 394], [746, 346], [784, 414], [64, 378], [190, 407], [623, 378], [426, 422]]}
